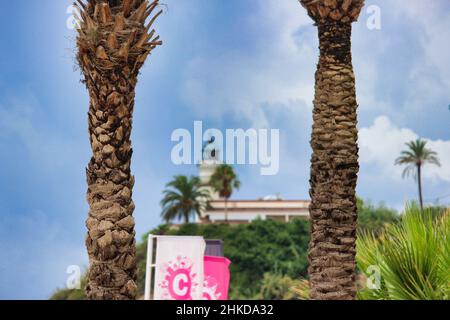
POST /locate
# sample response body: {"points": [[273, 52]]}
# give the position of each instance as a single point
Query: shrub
{"points": [[278, 287], [373, 218], [411, 256]]}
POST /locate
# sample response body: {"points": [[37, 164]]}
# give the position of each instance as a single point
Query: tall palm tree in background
{"points": [[334, 164], [224, 180], [414, 158], [184, 198], [113, 43]]}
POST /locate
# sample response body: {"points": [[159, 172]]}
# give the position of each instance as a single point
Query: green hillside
{"points": [[254, 249], [260, 251]]}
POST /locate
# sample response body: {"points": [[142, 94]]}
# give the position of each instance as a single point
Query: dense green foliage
{"points": [[410, 260], [374, 218], [278, 287]]}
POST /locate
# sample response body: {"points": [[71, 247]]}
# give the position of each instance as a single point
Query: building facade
{"points": [[245, 211]]}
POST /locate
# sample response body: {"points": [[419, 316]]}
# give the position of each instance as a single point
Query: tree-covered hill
{"points": [[254, 249], [257, 250]]}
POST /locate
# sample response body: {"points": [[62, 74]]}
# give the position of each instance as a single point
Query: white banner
{"points": [[179, 268]]}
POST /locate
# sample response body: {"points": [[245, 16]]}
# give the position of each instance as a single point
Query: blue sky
{"points": [[232, 64]]}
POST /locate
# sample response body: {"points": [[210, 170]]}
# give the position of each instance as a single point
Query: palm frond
{"points": [[224, 180], [410, 171], [183, 198], [412, 256], [416, 155]]}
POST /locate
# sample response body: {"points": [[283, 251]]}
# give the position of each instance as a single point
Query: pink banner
{"points": [[216, 278], [179, 268]]}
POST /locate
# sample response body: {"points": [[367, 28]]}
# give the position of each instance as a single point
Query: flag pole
{"points": [[149, 268]]}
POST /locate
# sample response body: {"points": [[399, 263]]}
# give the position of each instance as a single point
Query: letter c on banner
{"points": [[180, 284]]}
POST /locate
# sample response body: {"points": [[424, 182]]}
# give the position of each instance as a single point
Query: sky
{"points": [[231, 64]]}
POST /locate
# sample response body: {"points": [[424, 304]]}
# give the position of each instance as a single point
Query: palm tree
{"points": [[184, 198], [113, 43], [223, 181], [334, 164], [412, 257], [414, 158]]}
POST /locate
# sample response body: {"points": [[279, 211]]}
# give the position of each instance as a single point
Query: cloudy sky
{"points": [[232, 64]]}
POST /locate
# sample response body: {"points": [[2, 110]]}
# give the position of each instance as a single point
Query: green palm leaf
{"points": [[183, 198], [412, 256]]}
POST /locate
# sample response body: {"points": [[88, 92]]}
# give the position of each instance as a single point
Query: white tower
{"points": [[211, 160]]}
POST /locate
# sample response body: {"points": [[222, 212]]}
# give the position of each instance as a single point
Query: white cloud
{"points": [[277, 68], [19, 124], [381, 143], [416, 31], [276, 72]]}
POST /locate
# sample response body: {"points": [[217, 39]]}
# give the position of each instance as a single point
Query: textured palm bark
{"points": [[113, 43], [334, 163]]}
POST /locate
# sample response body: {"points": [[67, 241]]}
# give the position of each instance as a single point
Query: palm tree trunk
{"points": [[112, 46], [419, 182], [334, 163], [226, 210]]}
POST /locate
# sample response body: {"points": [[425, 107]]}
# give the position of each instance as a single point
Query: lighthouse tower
{"points": [[210, 161]]}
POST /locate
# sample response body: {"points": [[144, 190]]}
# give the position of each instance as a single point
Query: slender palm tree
{"points": [[183, 199], [334, 164], [224, 180], [414, 158], [114, 40]]}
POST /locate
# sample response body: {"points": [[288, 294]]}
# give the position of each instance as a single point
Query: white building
{"points": [[245, 211]]}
